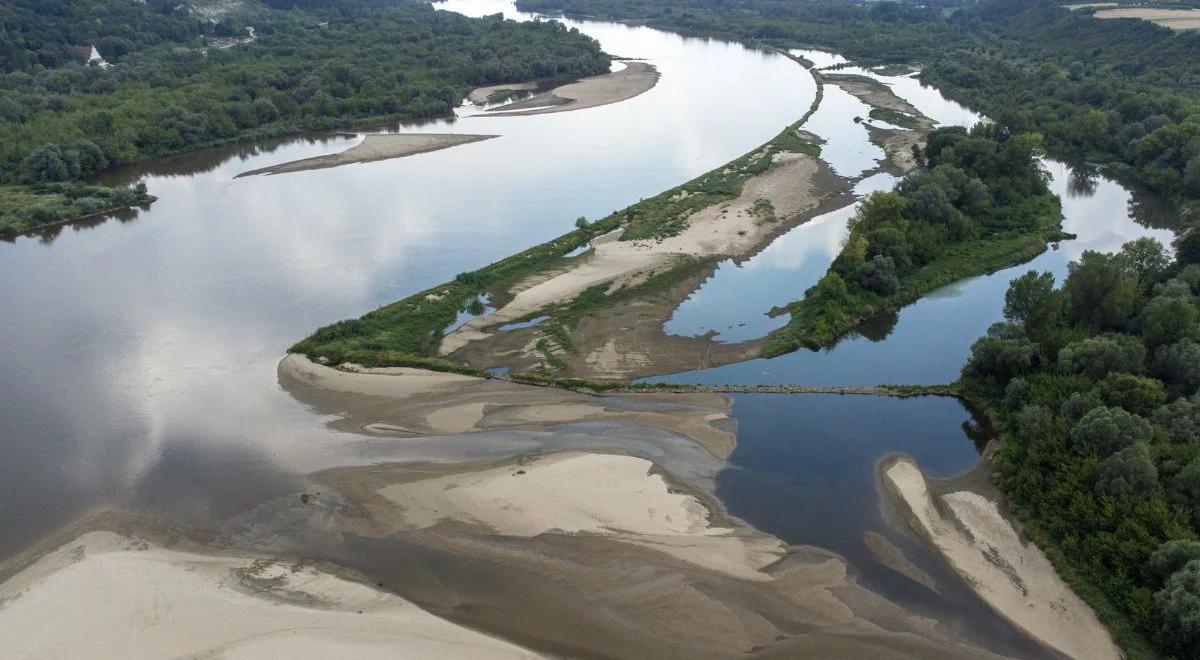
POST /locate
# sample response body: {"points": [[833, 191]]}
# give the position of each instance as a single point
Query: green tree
{"points": [[1166, 320], [1137, 394], [1095, 357], [1031, 300], [1101, 291], [1127, 472], [45, 164], [1146, 258], [1172, 556], [1002, 354], [1103, 431], [1178, 365], [1178, 609]]}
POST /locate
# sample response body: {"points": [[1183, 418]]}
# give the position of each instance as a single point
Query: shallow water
{"points": [[804, 470]]}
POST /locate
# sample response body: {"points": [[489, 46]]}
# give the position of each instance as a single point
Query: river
{"points": [[138, 354]]}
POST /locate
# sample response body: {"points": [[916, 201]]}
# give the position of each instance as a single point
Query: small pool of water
{"points": [[522, 324]]}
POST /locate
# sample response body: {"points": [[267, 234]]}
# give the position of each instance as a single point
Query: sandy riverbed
{"points": [[1011, 575], [375, 147], [614, 558], [636, 78], [104, 595], [727, 229], [413, 402]]}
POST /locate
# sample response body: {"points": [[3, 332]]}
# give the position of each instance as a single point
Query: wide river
{"points": [[138, 355]]}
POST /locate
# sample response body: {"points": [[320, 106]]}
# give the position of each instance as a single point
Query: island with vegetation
{"points": [[979, 204], [172, 81]]}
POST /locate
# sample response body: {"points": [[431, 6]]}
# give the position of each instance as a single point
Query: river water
{"points": [[138, 355]]}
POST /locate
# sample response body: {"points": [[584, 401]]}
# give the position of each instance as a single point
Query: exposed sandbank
{"points": [[612, 558], [375, 147], [1009, 574], [483, 95], [575, 493], [105, 595], [792, 185], [411, 402], [636, 78]]}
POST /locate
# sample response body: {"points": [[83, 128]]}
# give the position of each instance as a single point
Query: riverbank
{"points": [[635, 79], [984, 547], [375, 147]]}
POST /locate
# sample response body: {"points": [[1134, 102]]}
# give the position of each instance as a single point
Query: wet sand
{"points": [[104, 594], [617, 560], [636, 78], [375, 147], [984, 548], [412, 402]]}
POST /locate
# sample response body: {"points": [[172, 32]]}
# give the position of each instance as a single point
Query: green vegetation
{"points": [[412, 329], [980, 203], [895, 118], [25, 208], [1095, 388], [1116, 93], [318, 64]]}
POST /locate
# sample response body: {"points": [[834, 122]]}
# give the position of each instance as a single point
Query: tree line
{"points": [[1095, 385]]}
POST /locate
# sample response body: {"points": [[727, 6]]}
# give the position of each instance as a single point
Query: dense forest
{"points": [[321, 65], [1095, 385], [980, 202], [1118, 93]]}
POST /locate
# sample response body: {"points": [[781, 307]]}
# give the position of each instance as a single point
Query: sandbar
{"points": [[636, 78], [1011, 575], [375, 147], [104, 595]]}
